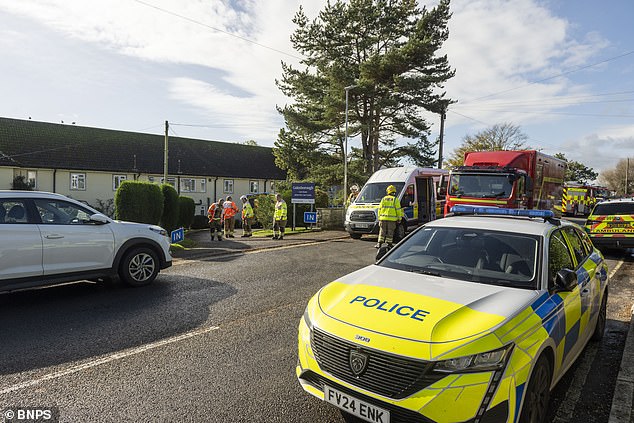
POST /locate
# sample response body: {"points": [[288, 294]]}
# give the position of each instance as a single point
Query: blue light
{"points": [[544, 214]]}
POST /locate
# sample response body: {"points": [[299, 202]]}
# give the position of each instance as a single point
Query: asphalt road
{"points": [[215, 340]]}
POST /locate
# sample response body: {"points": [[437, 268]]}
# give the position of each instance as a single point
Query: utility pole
{"points": [[627, 174], [167, 127], [345, 149], [443, 115]]}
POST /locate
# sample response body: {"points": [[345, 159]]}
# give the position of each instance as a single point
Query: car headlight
{"points": [[307, 320], [482, 362], [158, 230]]}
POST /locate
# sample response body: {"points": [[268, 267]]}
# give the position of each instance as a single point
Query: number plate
{"points": [[362, 225], [619, 225], [355, 406]]}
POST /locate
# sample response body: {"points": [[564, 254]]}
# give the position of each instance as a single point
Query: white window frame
{"points": [[253, 184], [80, 179], [188, 185], [203, 184], [227, 186], [31, 176], [116, 181], [171, 181]]}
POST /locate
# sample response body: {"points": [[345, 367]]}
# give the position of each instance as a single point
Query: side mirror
{"points": [[566, 280], [442, 191], [381, 252], [99, 219]]}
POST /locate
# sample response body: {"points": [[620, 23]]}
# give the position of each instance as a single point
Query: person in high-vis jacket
{"points": [[279, 217], [247, 217], [229, 215], [214, 213], [390, 213], [354, 192]]}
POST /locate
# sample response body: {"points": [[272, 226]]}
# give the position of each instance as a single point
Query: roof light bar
{"points": [[543, 214]]}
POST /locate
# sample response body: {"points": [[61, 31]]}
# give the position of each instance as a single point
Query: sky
{"points": [[562, 70]]}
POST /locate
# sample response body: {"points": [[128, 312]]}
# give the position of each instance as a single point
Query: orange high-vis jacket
{"points": [[230, 209]]}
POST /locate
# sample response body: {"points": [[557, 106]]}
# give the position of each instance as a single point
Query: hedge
{"points": [[171, 208], [187, 208], [137, 201]]}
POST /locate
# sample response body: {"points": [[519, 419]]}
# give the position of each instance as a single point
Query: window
{"points": [[116, 181], [78, 181], [408, 197], [13, 211], [253, 187], [558, 257], [171, 181], [203, 185], [150, 179], [228, 186], [31, 178], [577, 246], [188, 185], [62, 213]]}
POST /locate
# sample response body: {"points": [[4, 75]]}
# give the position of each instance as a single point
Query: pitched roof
{"points": [[27, 143]]}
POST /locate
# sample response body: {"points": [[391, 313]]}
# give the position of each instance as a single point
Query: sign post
{"points": [[178, 235], [302, 193]]}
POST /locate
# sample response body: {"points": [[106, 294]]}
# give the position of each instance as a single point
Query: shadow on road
{"points": [[42, 328]]}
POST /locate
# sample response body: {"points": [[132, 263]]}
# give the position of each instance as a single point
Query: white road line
{"points": [[107, 359], [567, 406], [616, 269]]}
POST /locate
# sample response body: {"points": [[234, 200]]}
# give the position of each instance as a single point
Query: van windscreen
{"points": [[374, 192]]}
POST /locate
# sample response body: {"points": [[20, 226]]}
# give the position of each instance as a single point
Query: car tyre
{"points": [[355, 236], [599, 329], [139, 267], [537, 394]]}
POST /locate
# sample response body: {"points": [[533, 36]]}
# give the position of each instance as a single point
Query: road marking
{"points": [[107, 359], [616, 269], [573, 393], [621, 410]]}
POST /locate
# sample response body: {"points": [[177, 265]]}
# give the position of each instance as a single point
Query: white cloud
{"points": [[602, 150]]}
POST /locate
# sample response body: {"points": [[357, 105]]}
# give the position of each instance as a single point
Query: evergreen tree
{"points": [[387, 50], [577, 172]]}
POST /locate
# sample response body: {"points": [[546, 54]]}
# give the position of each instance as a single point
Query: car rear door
{"points": [[20, 242], [71, 242]]}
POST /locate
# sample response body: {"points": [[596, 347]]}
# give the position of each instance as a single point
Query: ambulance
{"points": [[416, 188]]}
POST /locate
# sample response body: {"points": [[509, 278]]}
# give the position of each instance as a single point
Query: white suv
{"points": [[49, 238]]}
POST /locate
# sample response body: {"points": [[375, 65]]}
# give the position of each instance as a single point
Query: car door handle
{"points": [[54, 236], [585, 291]]}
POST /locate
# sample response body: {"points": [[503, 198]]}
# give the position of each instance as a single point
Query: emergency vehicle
{"points": [[611, 224], [471, 318], [578, 199], [416, 188], [508, 179]]}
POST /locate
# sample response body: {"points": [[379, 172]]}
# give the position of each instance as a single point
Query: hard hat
{"points": [[391, 189], [243, 198], [354, 187]]}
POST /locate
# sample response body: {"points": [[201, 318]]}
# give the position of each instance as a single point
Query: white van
{"points": [[416, 188]]}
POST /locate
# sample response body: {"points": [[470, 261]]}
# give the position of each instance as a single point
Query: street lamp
{"points": [[345, 149]]}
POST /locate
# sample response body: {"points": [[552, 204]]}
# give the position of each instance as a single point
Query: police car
{"points": [[611, 224], [472, 318]]}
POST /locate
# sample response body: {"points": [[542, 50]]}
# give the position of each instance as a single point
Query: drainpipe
{"points": [[215, 194], [54, 179], [265, 181]]}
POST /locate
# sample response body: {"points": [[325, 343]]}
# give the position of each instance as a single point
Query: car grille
{"points": [[385, 374], [397, 414], [363, 216]]}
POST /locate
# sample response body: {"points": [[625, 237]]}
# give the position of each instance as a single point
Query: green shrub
{"points": [[137, 201], [200, 222], [187, 208], [171, 208], [264, 210]]}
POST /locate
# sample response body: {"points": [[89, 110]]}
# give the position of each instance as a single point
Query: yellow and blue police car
{"points": [[472, 318], [611, 224]]}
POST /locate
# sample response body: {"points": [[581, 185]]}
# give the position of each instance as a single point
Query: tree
{"points": [[388, 51], [251, 142], [20, 183], [615, 178], [501, 136], [577, 172]]}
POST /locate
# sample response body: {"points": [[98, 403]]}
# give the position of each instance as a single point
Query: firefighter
{"points": [[229, 210], [354, 192], [279, 217], [390, 213], [215, 219], [247, 217]]}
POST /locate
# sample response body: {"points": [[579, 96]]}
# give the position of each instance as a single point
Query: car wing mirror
{"points": [[566, 280], [99, 219], [381, 252]]}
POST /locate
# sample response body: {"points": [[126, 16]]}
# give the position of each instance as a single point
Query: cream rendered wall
{"points": [[6, 177]]}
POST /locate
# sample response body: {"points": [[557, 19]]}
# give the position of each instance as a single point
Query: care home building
{"points": [[88, 164]]}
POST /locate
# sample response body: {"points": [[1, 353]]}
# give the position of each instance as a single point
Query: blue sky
{"points": [[563, 70]]}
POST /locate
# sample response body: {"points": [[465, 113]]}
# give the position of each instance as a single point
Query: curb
{"points": [[226, 252], [621, 411]]}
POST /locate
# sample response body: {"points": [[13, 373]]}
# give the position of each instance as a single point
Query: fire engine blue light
{"points": [[544, 214]]}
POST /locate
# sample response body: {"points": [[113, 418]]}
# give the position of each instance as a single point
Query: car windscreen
{"points": [[374, 192], [481, 185], [468, 254], [618, 209]]}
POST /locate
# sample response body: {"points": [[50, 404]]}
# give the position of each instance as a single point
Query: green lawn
{"points": [[263, 233]]}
